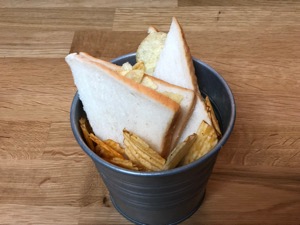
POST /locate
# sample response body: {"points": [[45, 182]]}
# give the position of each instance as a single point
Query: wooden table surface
{"points": [[45, 178]]}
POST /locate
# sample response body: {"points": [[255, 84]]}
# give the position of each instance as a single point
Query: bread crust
{"points": [[100, 61]]}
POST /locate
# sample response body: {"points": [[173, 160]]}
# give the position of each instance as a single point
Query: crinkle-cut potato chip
{"points": [[141, 153], [105, 149], [139, 66], [124, 163], [127, 66], [86, 133], [142, 158], [149, 50], [143, 146], [131, 156], [104, 154], [135, 72], [122, 72], [148, 82], [115, 145], [212, 116], [138, 158], [175, 97], [179, 152], [152, 29], [135, 75], [206, 140]]}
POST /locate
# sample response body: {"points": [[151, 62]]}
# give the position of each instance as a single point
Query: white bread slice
{"points": [[175, 64], [199, 114], [187, 104], [113, 102]]}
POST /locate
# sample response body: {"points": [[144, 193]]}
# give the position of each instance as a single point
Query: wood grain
{"points": [[45, 176], [227, 18], [34, 42], [86, 3], [47, 32], [35, 90], [237, 3], [57, 18]]}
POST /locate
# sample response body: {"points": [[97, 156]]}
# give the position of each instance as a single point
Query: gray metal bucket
{"points": [[165, 197]]}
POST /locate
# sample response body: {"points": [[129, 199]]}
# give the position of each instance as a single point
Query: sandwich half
{"points": [[113, 102], [186, 98]]}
